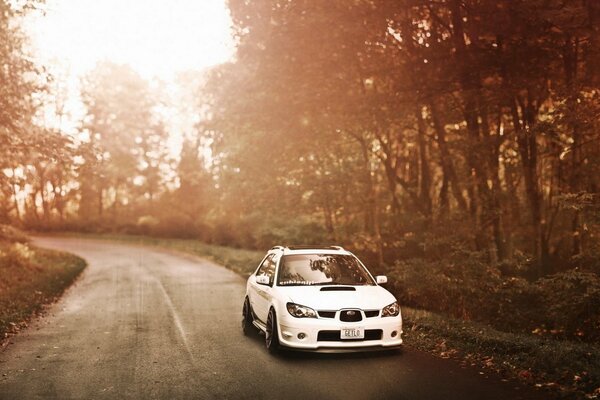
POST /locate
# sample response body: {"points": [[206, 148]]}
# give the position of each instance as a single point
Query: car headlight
{"points": [[391, 310], [298, 311]]}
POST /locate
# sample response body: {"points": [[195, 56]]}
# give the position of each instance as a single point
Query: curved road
{"points": [[145, 324]]}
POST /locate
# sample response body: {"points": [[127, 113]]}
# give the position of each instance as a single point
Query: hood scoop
{"points": [[338, 289]]}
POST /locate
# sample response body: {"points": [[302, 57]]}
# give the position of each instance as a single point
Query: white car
{"points": [[320, 299]]}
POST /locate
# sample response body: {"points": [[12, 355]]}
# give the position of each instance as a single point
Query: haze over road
{"points": [[141, 324]]}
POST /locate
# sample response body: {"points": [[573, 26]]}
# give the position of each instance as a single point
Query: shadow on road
{"points": [[258, 339]]}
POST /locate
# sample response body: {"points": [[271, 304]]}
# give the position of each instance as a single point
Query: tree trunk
{"points": [[328, 216], [373, 209], [448, 169], [444, 201], [527, 145], [570, 62], [13, 186], [469, 82], [42, 176], [425, 174], [100, 195], [495, 212]]}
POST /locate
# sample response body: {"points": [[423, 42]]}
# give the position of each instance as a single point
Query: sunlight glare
{"points": [[158, 38]]}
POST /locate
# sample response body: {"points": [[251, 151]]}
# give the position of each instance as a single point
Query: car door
{"points": [[260, 294]]}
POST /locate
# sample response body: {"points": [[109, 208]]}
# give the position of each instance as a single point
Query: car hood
{"points": [[363, 297]]}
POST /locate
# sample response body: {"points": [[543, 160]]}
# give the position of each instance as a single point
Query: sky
{"points": [[156, 37]]}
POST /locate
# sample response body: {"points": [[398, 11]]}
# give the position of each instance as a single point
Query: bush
{"points": [[588, 260], [572, 303], [258, 232], [12, 234], [225, 235], [181, 227], [565, 305], [91, 225], [16, 255], [147, 223], [519, 306], [459, 288]]}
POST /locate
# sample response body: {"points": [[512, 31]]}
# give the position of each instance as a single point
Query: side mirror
{"points": [[381, 279], [262, 280]]}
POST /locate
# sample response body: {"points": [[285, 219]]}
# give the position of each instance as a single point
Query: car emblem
{"points": [[351, 313]]}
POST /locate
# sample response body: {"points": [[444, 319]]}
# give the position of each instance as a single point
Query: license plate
{"points": [[352, 333]]}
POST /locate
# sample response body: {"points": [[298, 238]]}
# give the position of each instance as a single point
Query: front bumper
{"points": [[290, 328]]}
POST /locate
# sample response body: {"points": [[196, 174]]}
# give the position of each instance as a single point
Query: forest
{"points": [[452, 144]]}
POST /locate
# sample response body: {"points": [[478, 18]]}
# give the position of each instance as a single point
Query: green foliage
{"points": [[571, 303], [462, 284], [563, 305]]}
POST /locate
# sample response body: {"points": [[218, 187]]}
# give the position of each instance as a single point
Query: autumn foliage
{"points": [[452, 144]]}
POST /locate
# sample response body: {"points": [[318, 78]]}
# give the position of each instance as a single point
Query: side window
{"points": [[262, 270], [267, 268]]}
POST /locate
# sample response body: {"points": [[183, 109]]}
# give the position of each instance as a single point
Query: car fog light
{"points": [[394, 333], [301, 335]]}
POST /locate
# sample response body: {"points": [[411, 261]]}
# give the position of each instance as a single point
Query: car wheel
{"points": [[272, 335], [247, 325]]}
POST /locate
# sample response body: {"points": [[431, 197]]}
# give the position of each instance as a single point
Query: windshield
{"points": [[322, 269]]}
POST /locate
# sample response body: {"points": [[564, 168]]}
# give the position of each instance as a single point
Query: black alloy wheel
{"points": [[272, 335], [247, 325]]}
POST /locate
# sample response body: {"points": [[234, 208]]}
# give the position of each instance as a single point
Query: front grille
{"points": [[326, 314], [350, 316], [335, 336], [371, 313]]}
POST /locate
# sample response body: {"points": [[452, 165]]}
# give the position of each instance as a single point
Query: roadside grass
{"points": [[569, 369], [31, 277]]}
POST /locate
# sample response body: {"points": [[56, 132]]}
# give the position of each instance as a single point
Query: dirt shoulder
{"points": [[31, 278]]}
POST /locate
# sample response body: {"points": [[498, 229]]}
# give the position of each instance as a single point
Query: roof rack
{"points": [[277, 248], [310, 247]]}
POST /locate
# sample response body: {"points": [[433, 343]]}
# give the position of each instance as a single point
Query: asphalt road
{"points": [[145, 324]]}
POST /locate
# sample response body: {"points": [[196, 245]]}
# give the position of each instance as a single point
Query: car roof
{"points": [[314, 249]]}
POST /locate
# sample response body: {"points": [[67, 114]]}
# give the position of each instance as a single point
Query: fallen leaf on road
{"points": [[525, 374]]}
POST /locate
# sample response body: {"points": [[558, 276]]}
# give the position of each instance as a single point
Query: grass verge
{"points": [[569, 369], [31, 277]]}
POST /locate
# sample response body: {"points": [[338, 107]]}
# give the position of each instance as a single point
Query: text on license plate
{"points": [[352, 333]]}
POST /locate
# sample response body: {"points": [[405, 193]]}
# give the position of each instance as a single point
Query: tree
{"points": [[20, 81], [126, 141], [319, 81]]}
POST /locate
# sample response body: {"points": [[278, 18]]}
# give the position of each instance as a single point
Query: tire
{"points": [[247, 325], [272, 333]]}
